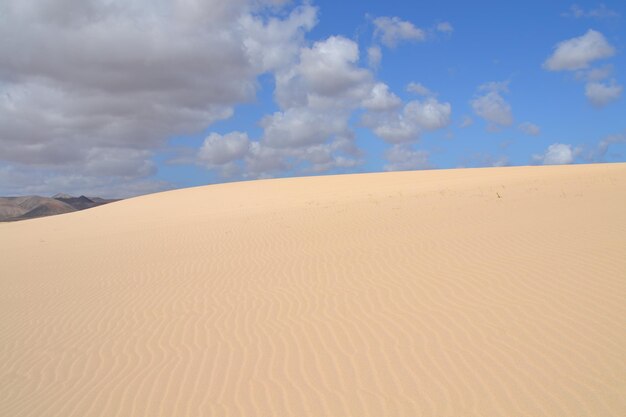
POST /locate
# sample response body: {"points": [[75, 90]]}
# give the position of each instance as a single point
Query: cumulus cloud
{"points": [[600, 94], [329, 67], [302, 126], [235, 156], [274, 43], [401, 157], [263, 162], [317, 92], [530, 129], [326, 76], [393, 30], [393, 127], [419, 89], [579, 52], [324, 157], [221, 149], [491, 106], [600, 12], [407, 124], [99, 86], [381, 99], [429, 114], [557, 154]]}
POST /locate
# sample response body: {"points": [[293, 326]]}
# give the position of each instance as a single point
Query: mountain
{"points": [[30, 207], [104, 200], [79, 203]]}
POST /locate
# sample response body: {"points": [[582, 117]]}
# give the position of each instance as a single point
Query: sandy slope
{"points": [[396, 294]]}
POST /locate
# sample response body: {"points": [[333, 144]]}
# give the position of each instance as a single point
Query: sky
{"points": [[118, 98]]}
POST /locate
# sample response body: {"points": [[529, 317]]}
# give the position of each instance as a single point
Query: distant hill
{"points": [[79, 203], [30, 207]]}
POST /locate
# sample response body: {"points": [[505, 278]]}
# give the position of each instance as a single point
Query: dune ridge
{"points": [[474, 292]]}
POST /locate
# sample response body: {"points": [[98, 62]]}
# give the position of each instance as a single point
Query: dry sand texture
{"points": [[395, 294]]}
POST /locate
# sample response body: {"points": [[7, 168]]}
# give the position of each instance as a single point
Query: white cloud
{"points": [[381, 99], [219, 150], [374, 56], [557, 154], [322, 158], [406, 125], [329, 67], [530, 129], [317, 96], [393, 30], [491, 106], [97, 87], [263, 162], [600, 12], [154, 70], [429, 114], [419, 89], [445, 27], [302, 126], [326, 76], [275, 43], [402, 157], [317, 93], [600, 94], [392, 127], [578, 53]]}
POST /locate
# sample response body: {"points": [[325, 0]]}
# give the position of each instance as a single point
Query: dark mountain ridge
{"points": [[30, 207]]}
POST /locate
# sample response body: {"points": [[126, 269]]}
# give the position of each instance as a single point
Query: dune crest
{"points": [[480, 292]]}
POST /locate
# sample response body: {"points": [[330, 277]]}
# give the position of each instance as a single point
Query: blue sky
{"points": [[196, 92]]}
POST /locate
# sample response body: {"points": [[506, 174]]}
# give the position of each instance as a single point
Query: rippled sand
{"points": [[484, 292]]}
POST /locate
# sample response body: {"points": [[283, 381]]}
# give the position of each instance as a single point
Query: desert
{"points": [[465, 292]]}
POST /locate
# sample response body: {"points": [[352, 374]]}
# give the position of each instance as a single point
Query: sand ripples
{"points": [[391, 295]]}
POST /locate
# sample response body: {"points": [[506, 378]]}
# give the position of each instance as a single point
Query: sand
{"points": [[481, 292]]}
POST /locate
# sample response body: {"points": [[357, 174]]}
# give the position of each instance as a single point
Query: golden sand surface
{"points": [[470, 292]]}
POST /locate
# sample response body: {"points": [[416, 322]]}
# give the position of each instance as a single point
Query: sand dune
{"points": [[483, 292]]}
